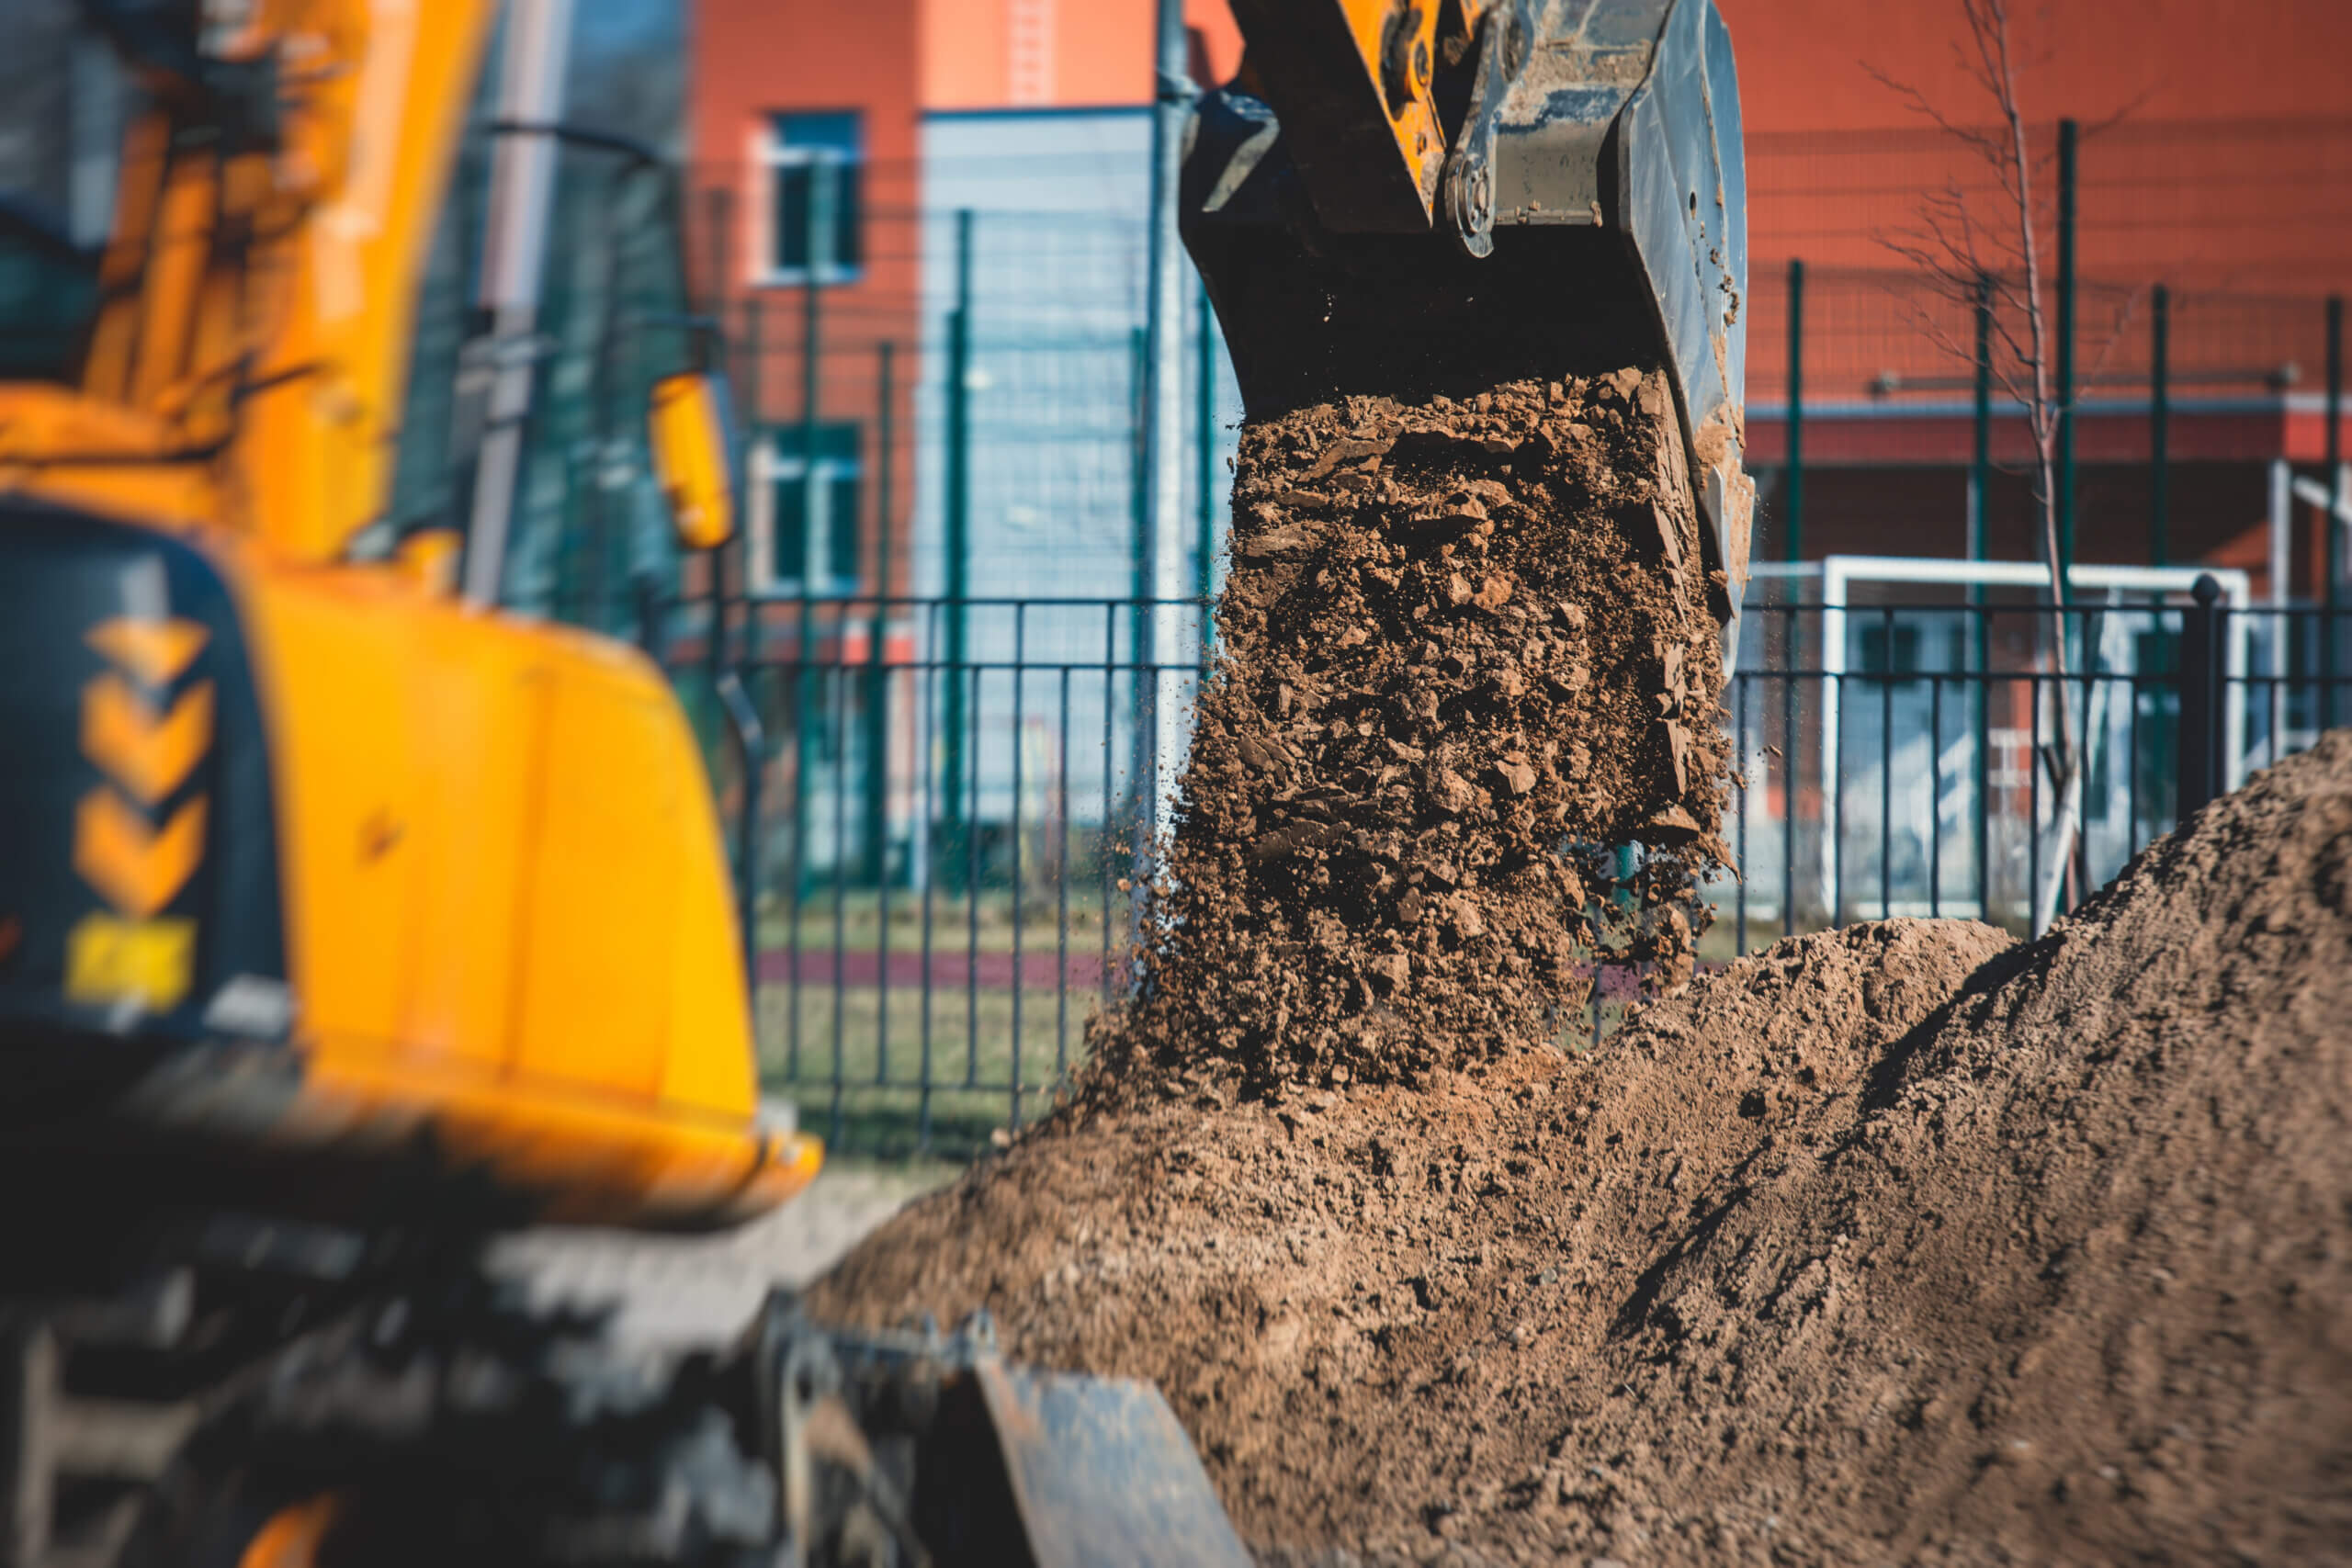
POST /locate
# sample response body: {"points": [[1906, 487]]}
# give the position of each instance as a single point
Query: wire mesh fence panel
{"points": [[945, 853], [945, 850]]}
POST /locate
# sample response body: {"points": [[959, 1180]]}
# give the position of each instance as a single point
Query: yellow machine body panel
{"points": [[506, 902], [493, 866]]}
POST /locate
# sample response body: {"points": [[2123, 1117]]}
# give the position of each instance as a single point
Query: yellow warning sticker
{"points": [[108, 959]]}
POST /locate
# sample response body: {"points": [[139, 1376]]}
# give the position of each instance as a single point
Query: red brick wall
{"points": [[751, 58]]}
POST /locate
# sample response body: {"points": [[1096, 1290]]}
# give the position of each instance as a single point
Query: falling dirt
{"points": [[1465, 651], [1893, 1243]]}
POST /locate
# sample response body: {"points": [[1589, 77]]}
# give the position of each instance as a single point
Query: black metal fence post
{"points": [[957, 501], [2065, 390], [877, 823], [2331, 526], [2199, 772], [2160, 426], [1792, 484]]}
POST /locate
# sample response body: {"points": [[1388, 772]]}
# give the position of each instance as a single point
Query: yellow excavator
{"points": [[356, 909], [350, 914]]}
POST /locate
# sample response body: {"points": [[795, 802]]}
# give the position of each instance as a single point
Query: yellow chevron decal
{"points": [[150, 753], [139, 868], [155, 651]]}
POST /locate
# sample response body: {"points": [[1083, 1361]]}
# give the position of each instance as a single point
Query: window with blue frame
{"points": [[815, 168]]}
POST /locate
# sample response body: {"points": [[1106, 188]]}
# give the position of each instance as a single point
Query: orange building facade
{"points": [[2216, 160], [807, 190]]}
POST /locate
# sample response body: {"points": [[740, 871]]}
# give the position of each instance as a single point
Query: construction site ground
{"points": [[1903, 1243]]}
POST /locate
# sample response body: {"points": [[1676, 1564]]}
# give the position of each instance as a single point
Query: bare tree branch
{"points": [[1959, 257]]}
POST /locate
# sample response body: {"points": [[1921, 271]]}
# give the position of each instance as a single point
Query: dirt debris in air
{"points": [[1894, 1244], [1458, 639]]}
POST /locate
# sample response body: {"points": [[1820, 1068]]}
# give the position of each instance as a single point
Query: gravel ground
{"points": [[675, 1291]]}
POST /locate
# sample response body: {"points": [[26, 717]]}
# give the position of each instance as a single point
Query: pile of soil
{"points": [[1466, 649], [1896, 1243]]}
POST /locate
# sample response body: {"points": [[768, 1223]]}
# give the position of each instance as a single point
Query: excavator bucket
{"points": [[1567, 193], [1078, 1471], [931, 1441]]}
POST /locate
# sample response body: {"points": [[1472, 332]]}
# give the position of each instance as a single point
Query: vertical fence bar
{"points": [[2132, 729], [1832, 776], [813, 315], [1981, 686], [1980, 461], [926, 765], [972, 893], [804, 728], [1886, 766], [838, 679], [1142, 775], [1020, 681], [2065, 390], [743, 722], [2199, 765], [2089, 636], [2033, 800], [1980, 625], [1935, 796], [1163, 441], [1793, 545], [877, 706], [880, 762], [1061, 881], [1109, 743], [1739, 889], [1788, 771], [754, 357], [956, 507], [876, 815], [2160, 425], [2331, 526]]}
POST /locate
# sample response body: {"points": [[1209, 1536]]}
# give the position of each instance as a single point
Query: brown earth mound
{"points": [[1885, 1244], [1456, 637]]}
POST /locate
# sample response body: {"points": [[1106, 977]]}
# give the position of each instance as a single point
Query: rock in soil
{"points": [[1894, 1244]]}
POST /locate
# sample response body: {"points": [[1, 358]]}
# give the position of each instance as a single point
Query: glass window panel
{"points": [[842, 494], [848, 227], [793, 190], [837, 132], [789, 527]]}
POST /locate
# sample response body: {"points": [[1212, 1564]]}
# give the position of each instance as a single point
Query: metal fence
{"points": [[938, 843], [1996, 760], [949, 808]]}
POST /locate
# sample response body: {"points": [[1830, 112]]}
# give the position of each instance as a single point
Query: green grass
{"points": [[951, 920], [881, 1107]]}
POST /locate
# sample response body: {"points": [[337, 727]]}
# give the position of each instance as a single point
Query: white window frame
{"points": [[826, 580], [771, 154]]}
